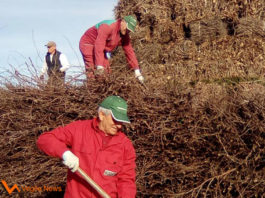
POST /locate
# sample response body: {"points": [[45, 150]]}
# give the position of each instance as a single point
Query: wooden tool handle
{"points": [[93, 184]]}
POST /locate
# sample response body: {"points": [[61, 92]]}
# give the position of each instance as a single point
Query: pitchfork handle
{"points": [[93, 184]]}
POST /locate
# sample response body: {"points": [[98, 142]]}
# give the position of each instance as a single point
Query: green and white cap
{"points": [[131, 22], [118, 107]]}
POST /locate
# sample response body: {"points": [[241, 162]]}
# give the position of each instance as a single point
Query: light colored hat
{"points": [[131, 22], [118, 107], [50, 44]]}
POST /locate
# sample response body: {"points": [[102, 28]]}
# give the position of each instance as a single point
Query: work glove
{"points": [[62, 70], [70, 160], [99, 70], [139, 76], [108, 55]]}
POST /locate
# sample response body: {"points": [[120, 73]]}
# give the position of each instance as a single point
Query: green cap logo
{"points": [[131, 22], [118, 107]]}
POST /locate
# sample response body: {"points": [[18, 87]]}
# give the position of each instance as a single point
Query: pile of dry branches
{"points": [[198, 40], [206, 140], [198, 123]]}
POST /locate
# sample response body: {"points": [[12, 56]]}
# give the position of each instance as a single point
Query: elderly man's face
{"points": [[51, 49], [123, 27], [108, 124]]}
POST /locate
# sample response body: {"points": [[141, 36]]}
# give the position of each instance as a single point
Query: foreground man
{"points": [[99, 41], [100, 148]]}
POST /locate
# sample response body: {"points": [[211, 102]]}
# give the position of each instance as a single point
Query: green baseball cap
{"points": [[118, 107], [131, 22]]}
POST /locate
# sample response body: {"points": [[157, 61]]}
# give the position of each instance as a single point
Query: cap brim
{"points": [[119, 116], [129, 28]]}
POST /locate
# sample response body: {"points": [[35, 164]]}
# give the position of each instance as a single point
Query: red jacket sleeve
{"points": [[104, 31], [129, 52], [57, 141], [126, 178]]}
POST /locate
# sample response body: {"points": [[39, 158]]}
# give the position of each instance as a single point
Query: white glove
{"points": [[70, 160], [100, 67], [62, 69], [99, 70], [108, 55], [141, 79], [139, 75]]}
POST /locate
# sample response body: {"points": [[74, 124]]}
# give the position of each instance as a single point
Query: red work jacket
{"points": [[106, 38], [109, 161]]}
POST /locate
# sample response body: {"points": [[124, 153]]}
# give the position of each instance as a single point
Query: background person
{"points": [[100, 148], [99, 41], [55, 64]]}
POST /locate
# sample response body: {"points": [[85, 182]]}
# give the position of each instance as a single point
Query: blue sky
{"points": [[26, 26]]}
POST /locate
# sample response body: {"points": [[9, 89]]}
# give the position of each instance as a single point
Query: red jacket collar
{"points": [[118, 25], [95, 123]]}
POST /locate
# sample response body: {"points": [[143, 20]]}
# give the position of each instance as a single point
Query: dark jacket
{"points": [[54, 65]]}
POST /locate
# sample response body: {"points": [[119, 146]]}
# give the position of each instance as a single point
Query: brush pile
{"points": [[198, 124]]}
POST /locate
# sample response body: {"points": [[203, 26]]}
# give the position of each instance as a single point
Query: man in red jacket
{"points": [[100, 148], [97, 43]]}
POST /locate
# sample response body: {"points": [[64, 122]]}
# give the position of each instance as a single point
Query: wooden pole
{"points": [[93, 184]]}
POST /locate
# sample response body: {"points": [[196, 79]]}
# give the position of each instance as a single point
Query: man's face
{"points": [[51, 49], [108, 124], [123, 27]]}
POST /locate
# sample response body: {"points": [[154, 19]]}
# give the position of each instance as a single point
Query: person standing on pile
{"points": [[55, 64], [100, 148], [99, 41]]}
